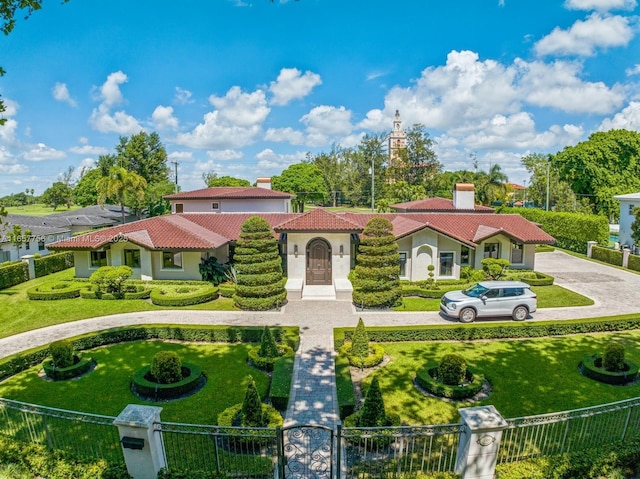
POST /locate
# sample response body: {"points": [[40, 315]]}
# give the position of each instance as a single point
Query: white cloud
{"points": [[584, 37], [268, 158], [558, 85], [288, 135], [61, 93], [10, 108], [42, 152], [89, 150], [181, 155], [326, 123], [183, 97], [628, 119], [8, 132], [291, 84], [13, 169], [86, 164], [224, 155], [635, 70], [234, 123], [110, 95], [600, 5], [163, 118]]}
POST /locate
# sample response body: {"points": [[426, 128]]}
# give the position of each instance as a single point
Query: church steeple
{"points": [[397, 139]]}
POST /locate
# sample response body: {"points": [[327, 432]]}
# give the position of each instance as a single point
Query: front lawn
{"points": [[19, 314], [553, 296], [106, 389], [528, 377]]}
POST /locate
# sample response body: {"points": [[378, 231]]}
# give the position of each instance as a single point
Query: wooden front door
{"points": [[318, 262]]}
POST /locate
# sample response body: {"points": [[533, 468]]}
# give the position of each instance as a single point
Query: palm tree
{"points": [[491, 186], [117, 182]]}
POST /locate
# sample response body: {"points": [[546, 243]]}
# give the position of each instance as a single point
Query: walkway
{"points": [[313, 399]]}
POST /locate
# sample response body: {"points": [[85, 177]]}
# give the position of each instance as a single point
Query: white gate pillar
{"points": [[143, 449], [479, 442]]}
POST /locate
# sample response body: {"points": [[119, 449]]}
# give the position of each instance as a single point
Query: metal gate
{"points": [[306, 452]]}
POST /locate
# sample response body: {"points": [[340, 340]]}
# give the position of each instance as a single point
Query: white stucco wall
{"points": [[261, 205], [189, 271], [340, 266], [626, 220], [15, 254]]}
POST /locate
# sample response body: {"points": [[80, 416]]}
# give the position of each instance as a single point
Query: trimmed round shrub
{"points": [[613, 357], [79, 366], [61, 353], [592, 367], [375, 356], [166, 367], [452, 370], [427, 378], [166, 296], [144, 384], [266, 363]]}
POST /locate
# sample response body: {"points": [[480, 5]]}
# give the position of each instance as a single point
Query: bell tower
{"points": [[397, 140]]}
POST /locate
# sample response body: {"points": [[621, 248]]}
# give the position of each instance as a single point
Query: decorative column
{"points": [[590, 245], [479, 442], [31, 263], [142, 447], [625, 257]]}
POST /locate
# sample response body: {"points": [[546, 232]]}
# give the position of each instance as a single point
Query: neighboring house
{"points": [[40, 235], [463, 202], [627, 203], [260, 199], [90, 217], [318, 247]]}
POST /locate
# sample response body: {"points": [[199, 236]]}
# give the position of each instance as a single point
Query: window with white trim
{"points": [[132, 258], [98, 259], [446, 263], [465, 255], [403, 264], [491, 250], [171, 260], [517, 249], [215, 206]]}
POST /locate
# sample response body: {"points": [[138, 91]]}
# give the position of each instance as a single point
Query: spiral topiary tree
{"points": [[377, 273], [252, 415], [259, 280]]}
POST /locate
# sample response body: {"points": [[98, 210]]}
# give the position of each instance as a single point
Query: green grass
{"points": [[19, 314], [38, 209], [528, 376], [553, 296], [106, 389]]}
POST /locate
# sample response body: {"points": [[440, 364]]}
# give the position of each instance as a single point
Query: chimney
{"points": [[464, 196], [264, 183]]}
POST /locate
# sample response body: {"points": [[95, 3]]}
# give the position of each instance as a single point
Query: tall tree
{"points": [[605, 165], [417, 163], [85, 192], [117, 183], [543, 173], [56, 194], [212, 180], [145, 155], [305, 181], [332, 167], [491, 186]]}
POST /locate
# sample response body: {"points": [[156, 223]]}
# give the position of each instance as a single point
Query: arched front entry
{"points": [[318, 262]]}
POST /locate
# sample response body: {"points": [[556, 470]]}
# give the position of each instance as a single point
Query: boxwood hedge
{"points": [[13, 273], [163, 296], [281, 382], [344, 386]]}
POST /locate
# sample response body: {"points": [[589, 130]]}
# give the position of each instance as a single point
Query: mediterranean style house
{"points": [[318, 247], [627, 204]]}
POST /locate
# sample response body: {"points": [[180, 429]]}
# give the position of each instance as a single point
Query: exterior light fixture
{"points": [[341, 250], [295, 250]]}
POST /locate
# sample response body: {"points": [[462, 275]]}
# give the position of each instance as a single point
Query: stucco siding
{"points": [[340, 266], [263, 205]]}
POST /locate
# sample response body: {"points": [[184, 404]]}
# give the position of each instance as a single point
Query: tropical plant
{"points": [[211, 270], [118, 182]]}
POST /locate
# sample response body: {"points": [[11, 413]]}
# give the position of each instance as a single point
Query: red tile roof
{"points": [[205, 231], [229, 192], [435, 205], [319, 219]]}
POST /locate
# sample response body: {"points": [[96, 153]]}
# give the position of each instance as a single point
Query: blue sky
{"points": [[247, 87]]}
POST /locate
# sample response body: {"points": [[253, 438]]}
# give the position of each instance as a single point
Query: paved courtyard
{"points": [[313, 399]]}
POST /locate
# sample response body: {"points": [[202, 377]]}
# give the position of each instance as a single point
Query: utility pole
{"points": [[548, 174], [175, 164], [373, 186]]}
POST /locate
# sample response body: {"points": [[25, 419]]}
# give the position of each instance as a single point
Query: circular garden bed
{"points": [[592, 367], [79, 367], [427, 378], [145, 386]]}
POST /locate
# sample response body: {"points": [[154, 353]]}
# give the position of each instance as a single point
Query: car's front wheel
{"points": [[520, 313], [467, 315]]}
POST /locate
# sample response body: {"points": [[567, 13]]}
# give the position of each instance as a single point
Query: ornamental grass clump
{"points": [[61, 354], [613, 357], [166, 367], [452, 370]]}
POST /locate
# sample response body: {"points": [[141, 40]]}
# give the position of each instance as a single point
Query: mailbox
{"points": [[132, 442]]}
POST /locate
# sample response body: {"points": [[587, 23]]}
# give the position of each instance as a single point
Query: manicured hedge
{"points": [[344, 386], [214, 334], [537, 279], [81, 366], [54, 291], [229, 416], [156, 391], [474, 331], [52, 263], [634, 262], [375, 357], [571, 230], [425, 379], [227, 290], [281, 382], [172, 297], [266, 364], [13, 273], [591, 367], [606, 255]]}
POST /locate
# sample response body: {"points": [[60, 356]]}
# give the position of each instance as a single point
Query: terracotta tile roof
{"points": [[319, 219], [436, 205], [230, 192], [205, 231]]}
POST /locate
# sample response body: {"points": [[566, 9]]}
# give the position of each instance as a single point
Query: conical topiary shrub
{"points": [[252, 406], [258, 266], [360, 341], [268, 346], [377, 272], [372, 413]]}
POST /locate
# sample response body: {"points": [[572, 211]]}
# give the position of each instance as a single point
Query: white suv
{"points": [[490, 298]]}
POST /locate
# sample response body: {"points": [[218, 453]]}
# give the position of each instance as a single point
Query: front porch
{"points": [[340, 290]]}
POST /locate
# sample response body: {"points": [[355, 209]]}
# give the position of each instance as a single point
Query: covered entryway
{"points": [[318, 262]]}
